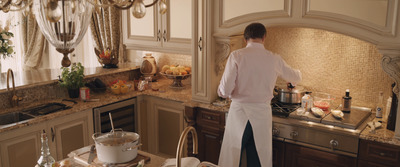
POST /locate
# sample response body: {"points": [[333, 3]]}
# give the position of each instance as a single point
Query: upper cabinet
{"points": [[170, 32]]}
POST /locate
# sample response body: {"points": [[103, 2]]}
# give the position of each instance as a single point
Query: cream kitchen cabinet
{"points": [[170, 32], [21, 147], [164, 122], [70, 132]]}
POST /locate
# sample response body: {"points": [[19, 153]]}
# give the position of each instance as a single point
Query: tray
{"points": [[81, 156]]}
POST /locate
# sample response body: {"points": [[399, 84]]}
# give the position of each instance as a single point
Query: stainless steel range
{"points": [[325, 133]]}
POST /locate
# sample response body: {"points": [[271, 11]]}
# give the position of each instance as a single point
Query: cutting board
{"points": [[83, 157], [351, 120]]}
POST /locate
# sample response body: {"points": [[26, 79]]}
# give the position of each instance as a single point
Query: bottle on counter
{"points": [[306, 101], [379, 106], [45, 159], [346, 102]]}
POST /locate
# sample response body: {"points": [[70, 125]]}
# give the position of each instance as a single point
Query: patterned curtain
{"points": [[33, 42], [106, 31]]}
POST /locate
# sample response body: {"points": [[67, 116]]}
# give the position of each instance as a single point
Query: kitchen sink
{"points": [[46, 109], [29, 113], [13, 117]]}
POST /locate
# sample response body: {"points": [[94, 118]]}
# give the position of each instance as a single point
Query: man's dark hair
{"points": [[254, 30]]}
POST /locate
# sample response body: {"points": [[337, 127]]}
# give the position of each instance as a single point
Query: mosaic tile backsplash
{"points": [[332, 62]]}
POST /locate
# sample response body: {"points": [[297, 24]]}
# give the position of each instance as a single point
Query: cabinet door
{"points": [[278, 153], [177, 26], [379, 153], [362, 163], [210, 140], [70, 133], [141, 33], [21, 147], [300, 156], [166, 125]]}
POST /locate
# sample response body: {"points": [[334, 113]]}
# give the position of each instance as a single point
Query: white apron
{"points": [[260, 117]]}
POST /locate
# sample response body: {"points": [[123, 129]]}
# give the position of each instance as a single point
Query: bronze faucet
{"points": [[182, 141], [14, 99]]}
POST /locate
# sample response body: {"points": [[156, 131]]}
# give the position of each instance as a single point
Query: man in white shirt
{"points": [[249, 80]]}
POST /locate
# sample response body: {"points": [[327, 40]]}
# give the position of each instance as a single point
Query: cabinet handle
{"points": [[165, 35], [200, 44], [275, 131], [294, 134], [53, 135], [334, 143], [158, 35]]}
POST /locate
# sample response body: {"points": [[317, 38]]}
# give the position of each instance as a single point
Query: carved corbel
{"points": [[222, 52], [391, 65]]}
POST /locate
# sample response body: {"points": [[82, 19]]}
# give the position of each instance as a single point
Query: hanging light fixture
{"points": [[64, 22]]}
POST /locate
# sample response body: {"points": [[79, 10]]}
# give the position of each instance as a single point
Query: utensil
{"points": [[91, 154], [111, 121]]}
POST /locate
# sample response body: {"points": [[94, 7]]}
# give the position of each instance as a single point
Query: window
{"points": [[84, 52]]}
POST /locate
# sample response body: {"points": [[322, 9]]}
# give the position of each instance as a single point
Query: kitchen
{"points": [[216, 43]]}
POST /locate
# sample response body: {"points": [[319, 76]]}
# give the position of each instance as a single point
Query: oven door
{"points": [[123, 114]]}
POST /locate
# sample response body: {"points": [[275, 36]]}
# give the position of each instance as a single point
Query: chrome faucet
{"points": [[182, 141], [14, 99]]}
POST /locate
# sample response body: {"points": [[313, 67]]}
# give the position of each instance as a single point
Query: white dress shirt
{"points": [[250, 74]]}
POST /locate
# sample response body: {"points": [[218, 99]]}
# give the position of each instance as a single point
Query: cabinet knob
{"points": [[158, 35], [275, 131], [200, 44], [165, 35], [382, 154], [294, 134], [334, 144], [208, 117], [53, 135]]}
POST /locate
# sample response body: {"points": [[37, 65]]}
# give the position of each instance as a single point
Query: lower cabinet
{"points": [[210, 131], [376, 154], [165, 124], [21, 147], [278, 153], [69, 133], [300, 156]]}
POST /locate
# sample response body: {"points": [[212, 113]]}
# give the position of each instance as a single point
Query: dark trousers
{"points": [[250, 146]]}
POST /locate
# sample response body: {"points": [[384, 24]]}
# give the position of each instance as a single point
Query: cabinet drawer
{"points": [[210, 117], [379, 152]]}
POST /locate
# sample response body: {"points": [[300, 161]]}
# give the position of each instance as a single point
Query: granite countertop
{"points": [[381, 134], [183, 95], [33, 78]]}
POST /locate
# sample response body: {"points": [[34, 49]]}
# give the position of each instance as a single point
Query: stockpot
{"points": [[116, 147], [289, 94]]}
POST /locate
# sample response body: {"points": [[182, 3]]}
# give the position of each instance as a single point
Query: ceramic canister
{"points": [[149, 66]]}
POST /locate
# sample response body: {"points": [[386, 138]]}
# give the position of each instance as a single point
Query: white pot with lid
{"points": [[117, 146]]}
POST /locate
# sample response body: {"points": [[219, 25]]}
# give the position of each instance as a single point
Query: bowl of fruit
{"points": [[177, 73], [119, 87]]}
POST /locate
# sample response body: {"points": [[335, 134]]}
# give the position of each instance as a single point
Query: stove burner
{"points": [[282, 109]]}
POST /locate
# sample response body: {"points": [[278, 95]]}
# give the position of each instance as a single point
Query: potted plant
{"points": [[72, 79]]}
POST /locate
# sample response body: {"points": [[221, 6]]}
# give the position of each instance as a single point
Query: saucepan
{"points": [[289, 93]]}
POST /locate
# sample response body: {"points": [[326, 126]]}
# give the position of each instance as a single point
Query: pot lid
{"points": [[285, 89], [115, 138]]}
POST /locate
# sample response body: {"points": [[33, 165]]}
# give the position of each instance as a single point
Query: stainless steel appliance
{"points": [[325, 133], [124, 116]]}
